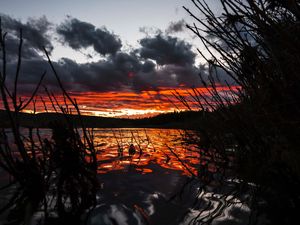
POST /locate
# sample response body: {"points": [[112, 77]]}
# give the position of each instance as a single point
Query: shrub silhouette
{"points": [[257, 45], [55, 176]]}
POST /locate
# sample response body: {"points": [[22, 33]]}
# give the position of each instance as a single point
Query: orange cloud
{"points": [[123, 104]]}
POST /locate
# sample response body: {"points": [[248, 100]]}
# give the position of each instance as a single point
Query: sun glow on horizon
{"points": [[128, 104], [129, 113]]}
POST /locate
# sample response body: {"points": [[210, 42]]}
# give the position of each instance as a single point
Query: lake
{"points": [[137, 188], [150, 176]]}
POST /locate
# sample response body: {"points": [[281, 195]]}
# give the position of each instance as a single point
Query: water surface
{"points": [[155, 181], [138, 188]]}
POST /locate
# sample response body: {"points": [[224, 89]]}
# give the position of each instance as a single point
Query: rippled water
{"points": [[154, 182], [158, 184], [138, 188], [165, 148]]}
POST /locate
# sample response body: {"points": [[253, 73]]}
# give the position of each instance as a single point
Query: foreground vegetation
{"points": [[52, 180], [256, 44]]}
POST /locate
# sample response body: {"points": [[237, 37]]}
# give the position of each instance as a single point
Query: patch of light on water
{"points": [[218, 209]]}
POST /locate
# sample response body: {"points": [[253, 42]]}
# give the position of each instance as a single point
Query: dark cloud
{"points": [[182, 75], [167, 50], [78, 34], [148, 66], [175, 27], [160, 61], [126, 62], [117, 73], [120, 72], [12, 45], [34, 31]]}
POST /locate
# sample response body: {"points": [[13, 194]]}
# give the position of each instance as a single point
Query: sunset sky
{"points": [[116, 57]]}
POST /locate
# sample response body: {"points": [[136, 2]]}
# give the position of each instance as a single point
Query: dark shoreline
{"points": [[176, 120]]}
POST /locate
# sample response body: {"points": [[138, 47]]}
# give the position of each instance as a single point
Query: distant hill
{"points": [[188, 120], [185, 120]]}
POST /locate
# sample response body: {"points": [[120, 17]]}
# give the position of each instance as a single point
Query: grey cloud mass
{"points": [[159, 61], [34, 31], [78, 34], [12, 45], [116, 73], [175, 27], [167, 50]]}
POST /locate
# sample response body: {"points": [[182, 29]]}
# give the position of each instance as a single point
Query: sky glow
{"points": [[117, 58]]}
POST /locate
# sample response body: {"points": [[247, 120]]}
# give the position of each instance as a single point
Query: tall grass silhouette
{"points": [[51, 179]]}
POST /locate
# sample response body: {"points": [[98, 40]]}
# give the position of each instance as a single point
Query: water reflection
{"points": [[123, 149], [137, 185], [146, 177], [152, 184]]}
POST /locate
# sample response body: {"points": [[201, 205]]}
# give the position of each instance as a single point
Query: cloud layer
{"points": [[161, 61], [35, 31], [78, 34]]}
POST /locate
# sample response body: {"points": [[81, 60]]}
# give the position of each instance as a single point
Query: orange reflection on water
{"points": [[164, 147]]}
